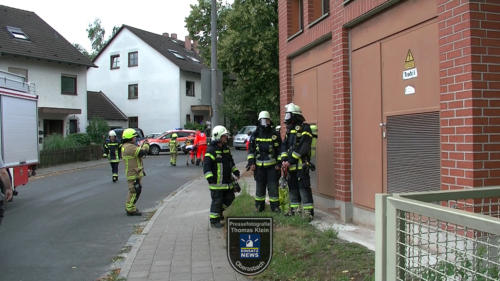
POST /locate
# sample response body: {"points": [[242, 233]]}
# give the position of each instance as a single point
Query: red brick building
{"points": [[406, 95]]}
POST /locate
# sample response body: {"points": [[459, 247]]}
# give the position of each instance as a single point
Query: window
{"points": [[115, 61], [133, 59], [68, 85], [73, 126], [190, 88], [176, 54], [188, 118], [198, 119], [133, 122], [133, 91], [319, 9], [295, 22], [17, 33]]}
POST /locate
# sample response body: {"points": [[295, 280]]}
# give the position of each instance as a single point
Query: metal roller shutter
{"points": [[413, 152]]}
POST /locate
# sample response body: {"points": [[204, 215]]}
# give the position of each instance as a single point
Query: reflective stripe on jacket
{"points": [[132, 156], [264, 148], [218, 167], [112, 150]]}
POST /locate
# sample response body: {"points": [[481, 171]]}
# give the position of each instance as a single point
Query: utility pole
{"points": [[213, 65]]}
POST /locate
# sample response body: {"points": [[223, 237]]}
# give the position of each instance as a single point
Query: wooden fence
{"points": [[56, 157]]}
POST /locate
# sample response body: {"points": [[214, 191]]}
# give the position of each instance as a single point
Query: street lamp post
{"points": [[213, 65]]}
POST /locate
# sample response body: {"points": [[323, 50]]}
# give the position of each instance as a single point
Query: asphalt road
{"points": [[70, 226]]}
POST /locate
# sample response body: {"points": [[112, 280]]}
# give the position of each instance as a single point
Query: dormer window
{"points": [[176, 54], [17, 33]]}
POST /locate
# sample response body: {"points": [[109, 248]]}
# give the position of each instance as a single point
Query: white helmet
{"points": [[264, 114], [291, 109], [218, 132], [112, 133]]}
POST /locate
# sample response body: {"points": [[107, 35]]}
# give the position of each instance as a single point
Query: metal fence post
{"points": [[380, 236], [391, 238]]}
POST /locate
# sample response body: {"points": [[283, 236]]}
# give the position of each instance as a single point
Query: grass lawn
{"points": [[302, 252]]}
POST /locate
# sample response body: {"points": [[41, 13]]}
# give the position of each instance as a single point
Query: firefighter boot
{"points": [[275, 207], [292, 212], [198, 162], [216, 224], [308, 214], [115, 178], [135, 213]]}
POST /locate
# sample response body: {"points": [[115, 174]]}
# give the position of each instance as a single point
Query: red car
{"points": [[161, 143]]}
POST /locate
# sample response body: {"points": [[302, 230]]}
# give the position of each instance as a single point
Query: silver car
{"points": [[239, 140]]}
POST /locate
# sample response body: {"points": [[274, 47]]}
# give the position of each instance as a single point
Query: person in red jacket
{"points": [[200, 141]]}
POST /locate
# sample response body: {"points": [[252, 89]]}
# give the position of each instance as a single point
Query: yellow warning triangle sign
{"points": [[409, 61]]}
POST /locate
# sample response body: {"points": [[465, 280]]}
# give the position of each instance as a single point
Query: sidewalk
{"points": [[179, 244]]}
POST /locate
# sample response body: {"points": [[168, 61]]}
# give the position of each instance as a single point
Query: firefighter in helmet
{"points": [[264, 159], [219, 169], [112, 151], [173, 149], [296, 156], [134, 170]]}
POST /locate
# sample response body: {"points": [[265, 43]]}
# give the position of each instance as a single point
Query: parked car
{"points": [[119, 133], [239, 140], [153, 135], [161, 143]]}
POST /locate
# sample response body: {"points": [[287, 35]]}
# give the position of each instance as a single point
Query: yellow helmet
{"points": [[129, 134], [174, 135]]}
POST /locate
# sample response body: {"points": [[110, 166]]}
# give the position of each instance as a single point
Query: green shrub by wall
{"points": [[69, 155]]}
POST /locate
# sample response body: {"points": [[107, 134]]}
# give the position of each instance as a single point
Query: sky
{"points": [[71, 18]]}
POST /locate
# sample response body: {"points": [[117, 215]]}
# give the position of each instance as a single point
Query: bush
{"points": [[195, 126], [56, 142], [97, 130], [80, 138]]}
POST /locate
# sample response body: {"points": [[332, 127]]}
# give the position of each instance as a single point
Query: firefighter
{"points": [[112, 151], [134, 170], [219, 168], [200, 141], [173, 149], [295, 156], [264, 159]]}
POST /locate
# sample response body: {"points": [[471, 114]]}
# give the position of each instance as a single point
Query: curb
{"points": [[65, 171]]}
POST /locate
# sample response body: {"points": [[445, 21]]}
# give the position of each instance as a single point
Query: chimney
{"points": [[187, 43], [165, 34], [174, 36], [195, 47]]}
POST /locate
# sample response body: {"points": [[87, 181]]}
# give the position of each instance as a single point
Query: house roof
{"points": [[185, 59], [100, 106], [43, 41]]}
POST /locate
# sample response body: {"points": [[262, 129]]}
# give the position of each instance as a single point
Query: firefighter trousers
{"points": [[134, 192], [114, 168], [221, 199], [299, 185], [266, 177], [173, 157]]}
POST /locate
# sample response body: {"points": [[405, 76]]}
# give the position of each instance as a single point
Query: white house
{"points": [[31, 48], [154, 79]]}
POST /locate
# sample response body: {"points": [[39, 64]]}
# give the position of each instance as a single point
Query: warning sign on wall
{"points": [[409, 61]]}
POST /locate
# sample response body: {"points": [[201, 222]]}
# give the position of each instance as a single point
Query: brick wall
{"points": [[469, 40]]}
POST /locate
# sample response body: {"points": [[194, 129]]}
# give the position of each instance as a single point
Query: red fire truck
{"points": [[18, 126]]}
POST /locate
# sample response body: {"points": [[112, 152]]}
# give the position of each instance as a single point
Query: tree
{"points": [[247, 52], [81, 49], [96, 36], [198, 25], [97, 129]]}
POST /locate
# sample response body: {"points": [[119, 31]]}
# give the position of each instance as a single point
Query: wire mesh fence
{"points": [[444, 236]]}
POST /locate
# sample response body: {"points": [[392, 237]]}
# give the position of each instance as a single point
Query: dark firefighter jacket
{"points": [[265, 147], [296, 147], [112, 150], [218, 166]]}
